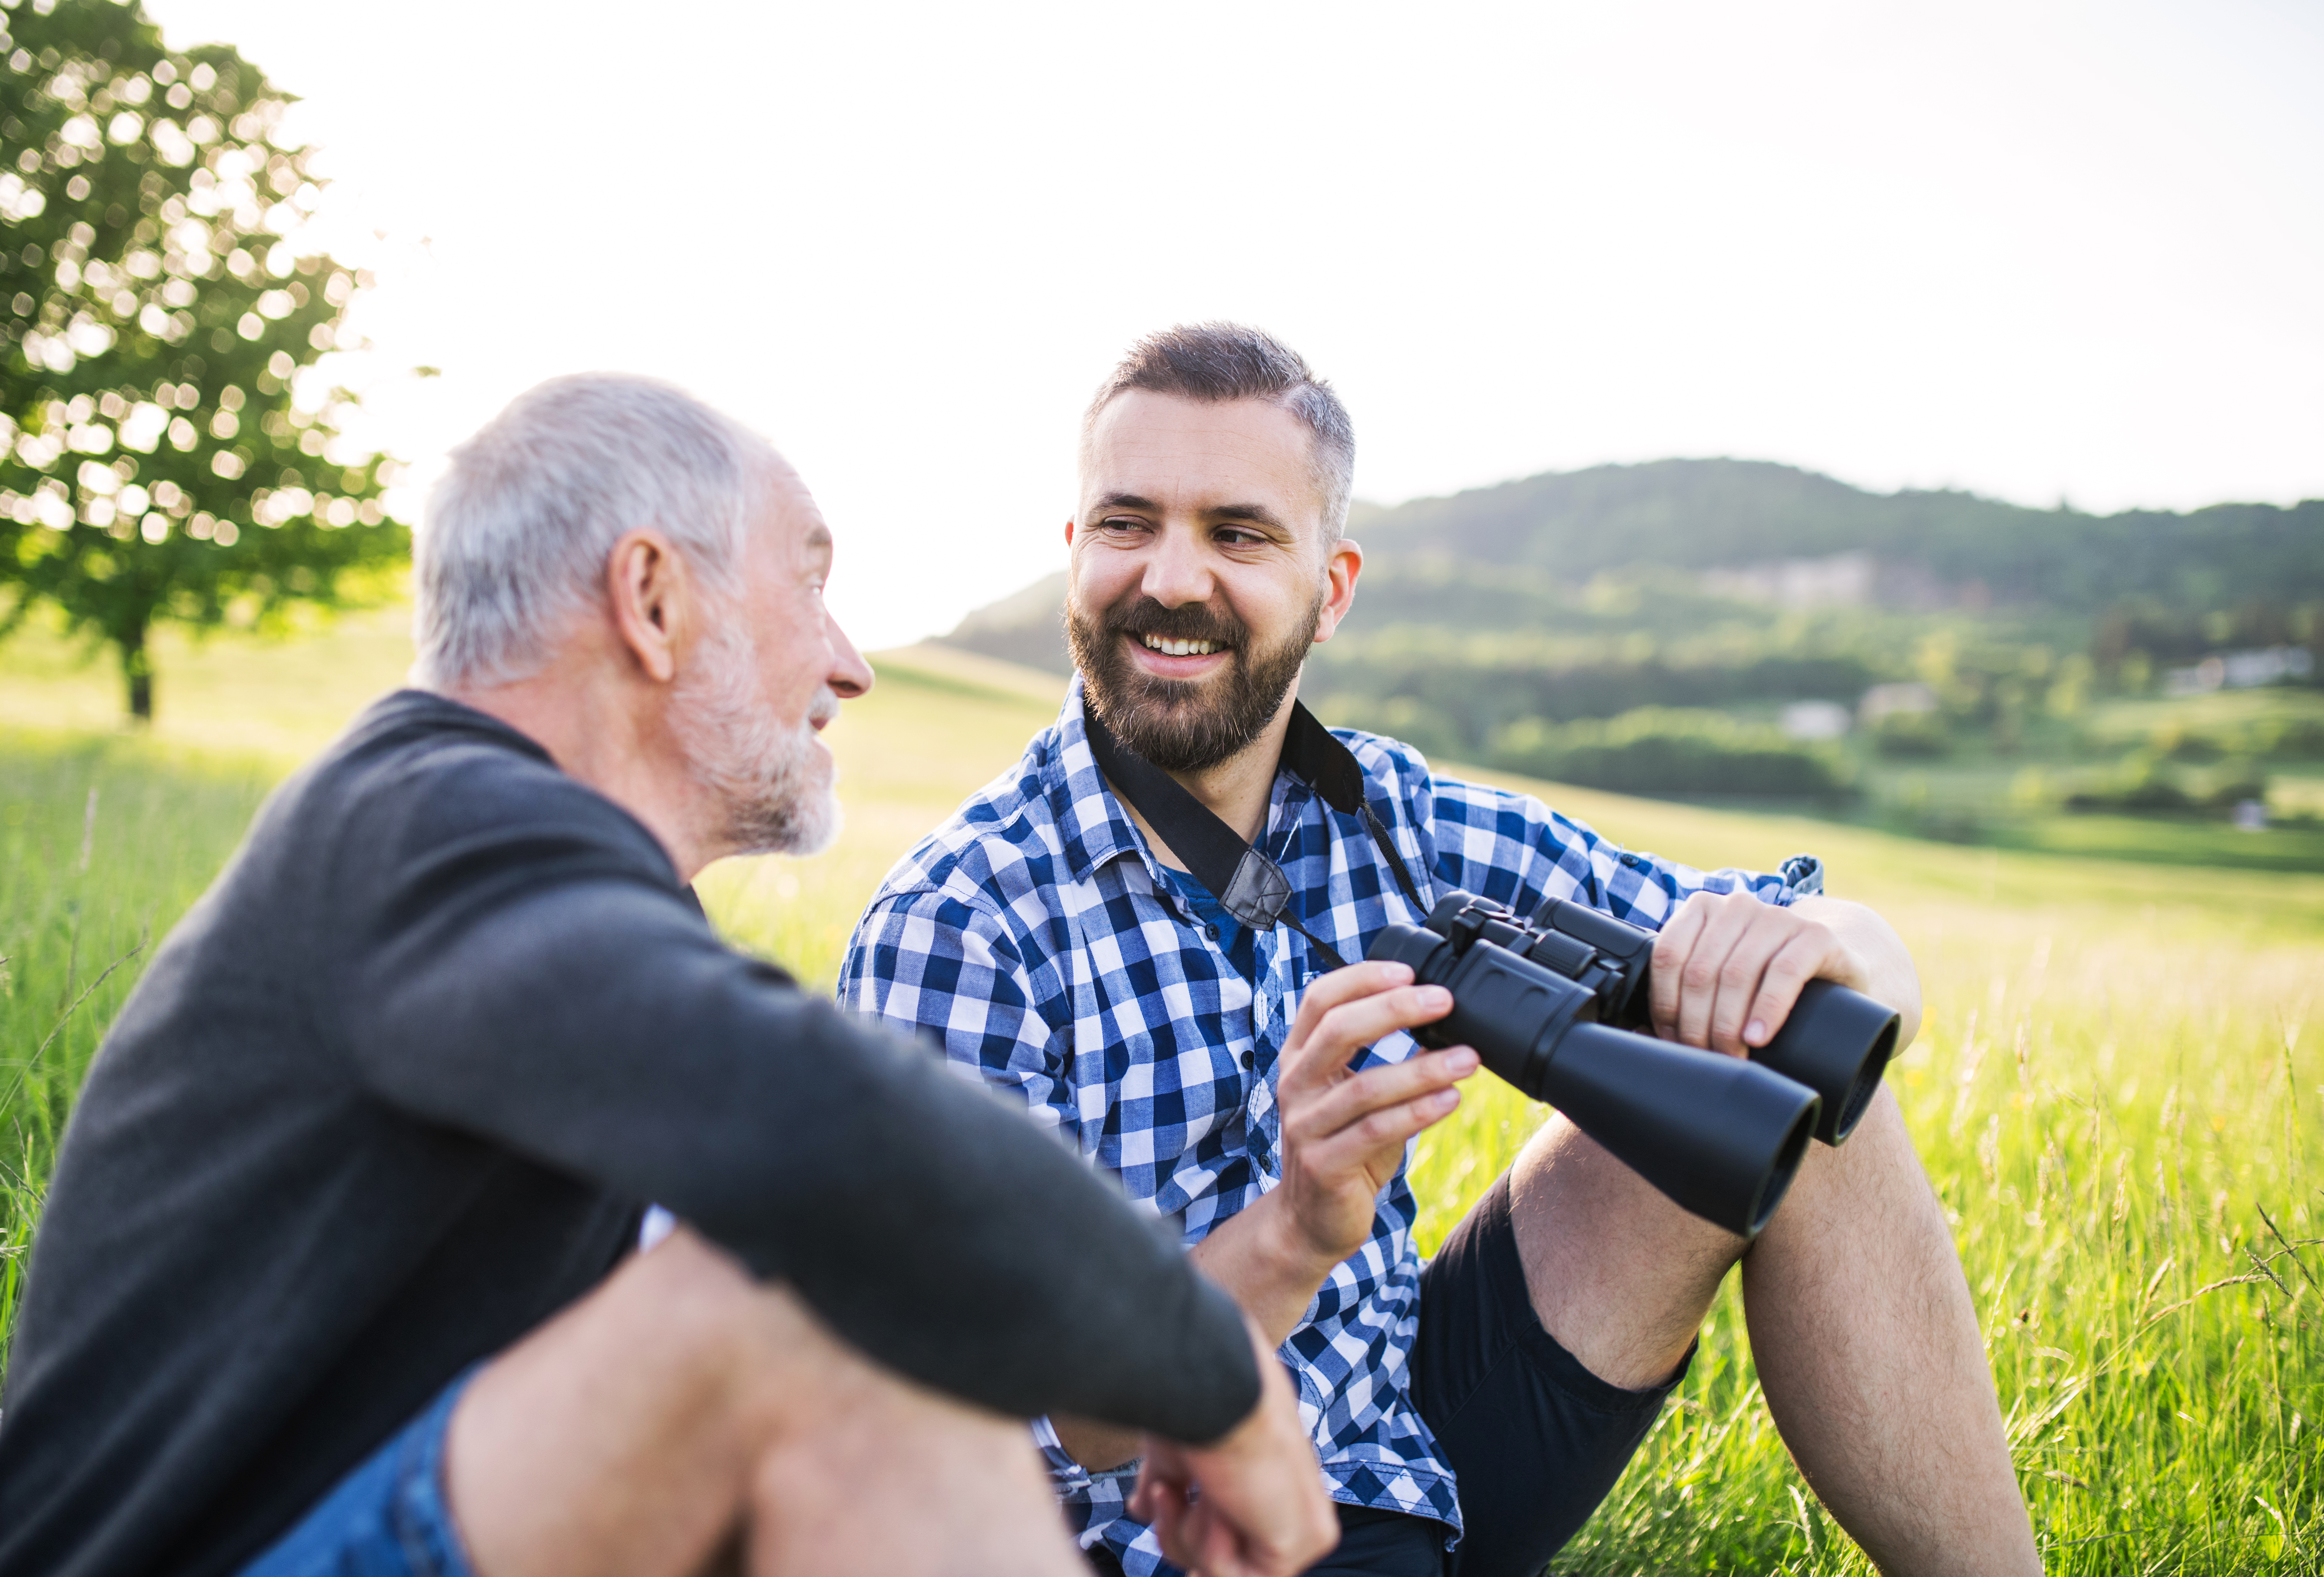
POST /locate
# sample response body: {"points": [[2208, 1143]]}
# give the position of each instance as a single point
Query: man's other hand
{"points": [[1343, 1133], [1343, 1136], [1728, 969], [1261, 1510]]}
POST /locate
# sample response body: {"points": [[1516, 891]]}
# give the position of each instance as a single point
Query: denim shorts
{"points": [[387, 1519]]}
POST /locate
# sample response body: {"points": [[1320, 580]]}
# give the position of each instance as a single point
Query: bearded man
{"points": [[1213, 1051], [336, 1270]]}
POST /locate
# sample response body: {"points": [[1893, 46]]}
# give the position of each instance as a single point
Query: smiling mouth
{"points": [[1168, 647]]}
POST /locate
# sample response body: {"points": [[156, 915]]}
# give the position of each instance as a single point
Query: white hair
{"points": [[518, 530]]}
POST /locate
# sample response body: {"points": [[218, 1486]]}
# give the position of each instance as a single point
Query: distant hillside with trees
{"points": [[1929, 545], [1492, 623]]}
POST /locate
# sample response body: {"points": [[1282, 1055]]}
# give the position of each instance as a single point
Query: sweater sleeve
{"points": [[542, 986]]}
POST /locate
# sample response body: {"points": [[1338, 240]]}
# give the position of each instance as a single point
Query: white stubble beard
{"points": [[774, 782]]}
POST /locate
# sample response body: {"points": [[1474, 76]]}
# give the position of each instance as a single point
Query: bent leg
{"points": [[681, 1407], [1860, 1322], [1868, 1348], [1536, 1439], [1620, 1274]]}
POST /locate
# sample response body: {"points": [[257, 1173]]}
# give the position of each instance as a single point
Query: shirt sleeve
{"points": [[1514, 850], [950, 971], [539, 986]]}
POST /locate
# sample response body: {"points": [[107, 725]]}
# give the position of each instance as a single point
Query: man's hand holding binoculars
{"points": [[1728, 969], [1343, 1133], [1342, 1137]]}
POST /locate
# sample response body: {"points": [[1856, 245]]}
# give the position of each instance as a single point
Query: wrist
{"points": [[1300, 1263], [1263, 1261]]}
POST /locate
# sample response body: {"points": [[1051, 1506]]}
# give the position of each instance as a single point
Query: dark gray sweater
{"points": [[394, 1091]]}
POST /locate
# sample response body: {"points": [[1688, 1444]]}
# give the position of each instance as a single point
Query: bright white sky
{"points": [[2031, 250]]}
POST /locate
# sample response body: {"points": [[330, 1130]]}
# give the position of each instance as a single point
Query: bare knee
{"points": [[1872, 1185], [615, 1437], [728, 1340], [1616, 1273], [704, 1300]]}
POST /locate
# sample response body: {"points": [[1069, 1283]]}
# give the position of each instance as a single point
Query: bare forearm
{"points": [[1343, 1136], [1256, 1257], [1890, 975]]}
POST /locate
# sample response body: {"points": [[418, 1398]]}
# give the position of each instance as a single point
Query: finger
{"points": [[1180, 1542], [1321, 1060], [1348, 1028], [1218, 1545], [1162, 1471], [1698, 979], [1378, 1089], [1672, 946], [1366, 1144], [1345, 986], [1796, 962], [1188, 1537], [1165, 1508], [1170, 1530], [1739, 977]]}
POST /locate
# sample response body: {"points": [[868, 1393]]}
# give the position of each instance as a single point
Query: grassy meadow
{"points": [[2115, 1094]]}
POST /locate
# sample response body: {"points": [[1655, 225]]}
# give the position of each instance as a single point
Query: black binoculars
{"points": [[1557, 1007]]}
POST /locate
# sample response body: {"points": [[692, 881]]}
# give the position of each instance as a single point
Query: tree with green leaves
{"points": [[164, 458]]}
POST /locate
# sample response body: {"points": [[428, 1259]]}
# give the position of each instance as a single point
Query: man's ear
{"points": [[1339, 571], [650, 599]]}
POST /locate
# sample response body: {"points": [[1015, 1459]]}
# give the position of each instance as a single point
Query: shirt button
{"points": [[1248, 1060], [1213, 932]]}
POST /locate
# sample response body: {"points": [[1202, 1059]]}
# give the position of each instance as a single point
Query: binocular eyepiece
{"points": [[1556, 1007]]}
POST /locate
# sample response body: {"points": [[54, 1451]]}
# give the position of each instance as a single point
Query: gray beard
{"points": [[772, 782]]}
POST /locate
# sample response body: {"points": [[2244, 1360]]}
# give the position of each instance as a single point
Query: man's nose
{"points": [[1178, 574], [851, 675]]}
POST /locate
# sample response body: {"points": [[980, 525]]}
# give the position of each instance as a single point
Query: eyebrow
{"points": [[1257, 514], [818, 537]]}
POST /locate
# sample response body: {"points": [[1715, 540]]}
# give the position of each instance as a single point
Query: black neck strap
{"points": [[1248, 885]]}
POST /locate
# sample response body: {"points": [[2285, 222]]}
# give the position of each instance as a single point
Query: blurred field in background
{"points": [[2113, 1092]]}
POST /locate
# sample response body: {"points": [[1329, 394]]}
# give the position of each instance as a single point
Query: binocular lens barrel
{"points": [[1721, 1137], [1838, 1043]]}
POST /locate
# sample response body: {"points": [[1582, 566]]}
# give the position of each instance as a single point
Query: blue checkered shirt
{"points": [[1035, 937]]}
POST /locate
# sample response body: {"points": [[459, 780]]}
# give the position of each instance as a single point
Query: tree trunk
{"points": [[137, 668]]}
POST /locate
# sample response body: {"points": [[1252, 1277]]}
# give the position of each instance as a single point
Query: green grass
{"points": [[2113, 1097], [2114, 1084], [103, 844]]}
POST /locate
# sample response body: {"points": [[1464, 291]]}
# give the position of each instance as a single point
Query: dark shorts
{"points": [[387, 1519], [1536, 1440]]}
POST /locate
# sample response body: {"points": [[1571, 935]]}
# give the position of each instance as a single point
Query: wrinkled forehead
{"points": [[1197, 455]]}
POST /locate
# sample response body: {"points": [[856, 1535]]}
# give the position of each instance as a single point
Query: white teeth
{"points": [[1170, 648]]}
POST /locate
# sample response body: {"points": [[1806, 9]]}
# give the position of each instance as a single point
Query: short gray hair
{"points": [[518, 530], [1214, 362]]}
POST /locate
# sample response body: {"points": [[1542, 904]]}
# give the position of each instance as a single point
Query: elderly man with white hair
{"points": [[336, 1271]]}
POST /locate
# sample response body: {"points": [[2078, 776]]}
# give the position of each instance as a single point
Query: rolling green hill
{"points": [[1930, 549], [1646, 627], [1449, 561]]}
